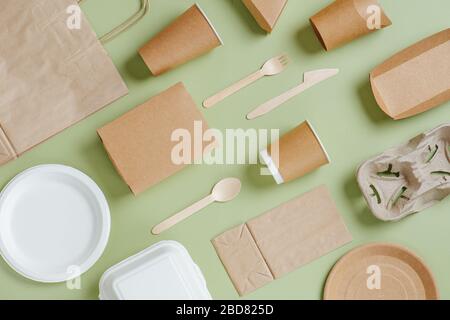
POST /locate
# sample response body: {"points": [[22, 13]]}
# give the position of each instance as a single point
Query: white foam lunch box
{"points": [[164, 271]]}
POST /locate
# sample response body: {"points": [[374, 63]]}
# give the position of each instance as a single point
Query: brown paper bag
{"points": [[415, 79], [281, 240], [345, 20], [51, 76]]}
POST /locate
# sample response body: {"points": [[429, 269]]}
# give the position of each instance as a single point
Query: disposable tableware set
{"points": [[42, 241]]}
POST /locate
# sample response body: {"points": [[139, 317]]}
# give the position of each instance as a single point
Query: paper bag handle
{"points": [[131, 21]]}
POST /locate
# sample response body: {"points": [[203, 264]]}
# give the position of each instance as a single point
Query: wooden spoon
{"points": [[224, 191]]}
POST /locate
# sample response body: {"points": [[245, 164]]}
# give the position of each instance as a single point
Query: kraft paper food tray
{"points": [[51, 77], [266, 12], [139, 142], [409, 178], [345, 20], [415, 79], [281, 240]]}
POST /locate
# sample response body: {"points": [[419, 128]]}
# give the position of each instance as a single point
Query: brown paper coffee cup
{"points": [[188, 37], [300, 151], [345, 20]]}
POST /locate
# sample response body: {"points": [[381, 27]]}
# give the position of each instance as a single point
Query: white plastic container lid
{"points": [[164, 271]]}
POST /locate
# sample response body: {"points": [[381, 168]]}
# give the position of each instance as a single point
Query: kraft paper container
{"points": [[300, 152], [188, 37], [343, 21], [415, 79], [266, 12], [164, 271], [139, 142]]}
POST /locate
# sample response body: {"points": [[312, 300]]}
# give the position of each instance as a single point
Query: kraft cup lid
{"points": [[210, 23], [164, 271], [402, 275]]}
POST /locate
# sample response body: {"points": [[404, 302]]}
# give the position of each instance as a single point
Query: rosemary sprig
{"points": [[441, 172], [389, 172], [375, 193], [399, 195], [432, 153]]}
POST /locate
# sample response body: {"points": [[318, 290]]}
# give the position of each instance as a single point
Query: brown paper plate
{"points": [[403, 275]]}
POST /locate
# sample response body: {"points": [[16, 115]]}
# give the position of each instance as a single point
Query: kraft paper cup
{"points": [[345, 20], [300, 152], [189, 36]]}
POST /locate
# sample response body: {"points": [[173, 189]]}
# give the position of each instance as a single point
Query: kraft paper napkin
{"points": [[415, 79], [287, 237], [139, 143], [50, 76]]}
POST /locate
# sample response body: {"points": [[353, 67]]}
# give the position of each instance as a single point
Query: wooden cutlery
{"points": [[272, 67], [224, 191], [311, 78]]}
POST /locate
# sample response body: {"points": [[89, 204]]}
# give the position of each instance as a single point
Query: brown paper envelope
{"points": [[51, 76], [415, 79], [343, 21], [242, 260], [266, 12], [281, 240], [139, 142], [299, 231]]}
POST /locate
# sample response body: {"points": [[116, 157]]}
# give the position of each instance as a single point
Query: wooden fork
{"points": [[272, 67]]}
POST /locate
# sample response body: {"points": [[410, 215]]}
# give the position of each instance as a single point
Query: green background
{"points": [[342, 110]]}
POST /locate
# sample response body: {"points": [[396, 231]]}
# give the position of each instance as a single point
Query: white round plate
{"points": [[54, 223]]}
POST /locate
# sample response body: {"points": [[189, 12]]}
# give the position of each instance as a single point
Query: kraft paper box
{"points": [[281, 240], [266, 12], [139, 142], [189, 36], [415, 79], [50, 76], [345, 20]]}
